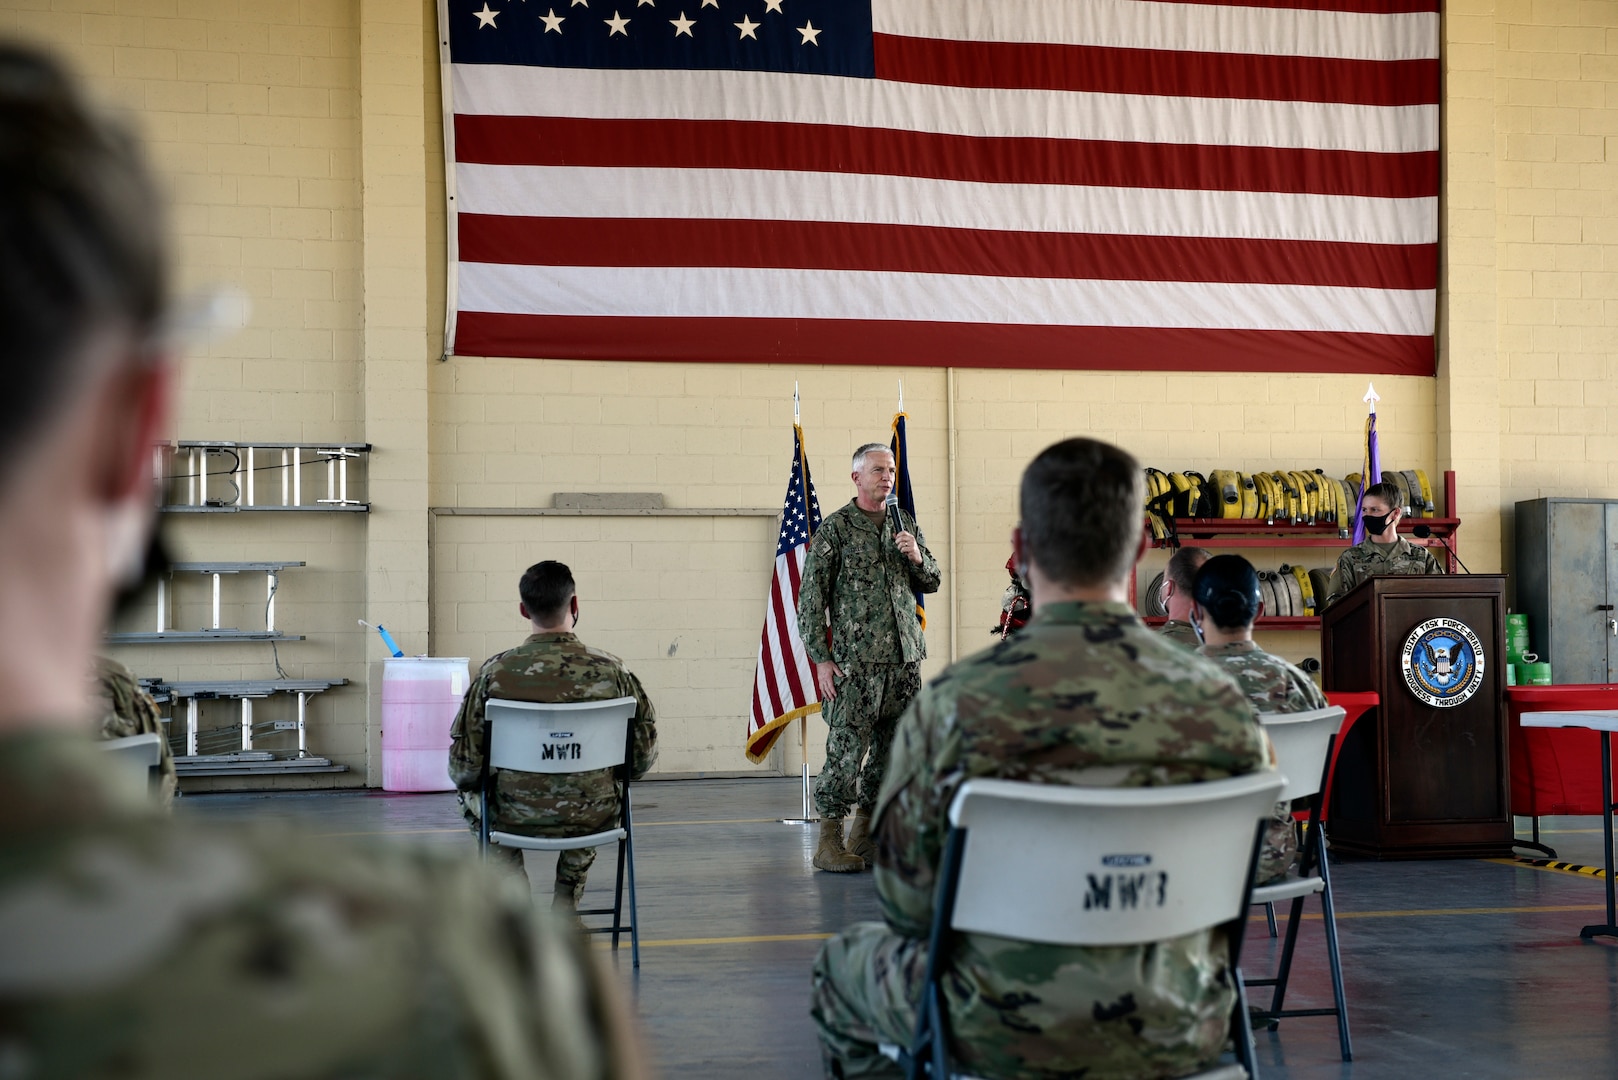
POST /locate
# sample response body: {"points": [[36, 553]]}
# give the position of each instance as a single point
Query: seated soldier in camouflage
{"points": [[127, 709], [1177, 578], [1084, 694], [1382, 551], [1227, 602], [553, 665], [136, 945]]}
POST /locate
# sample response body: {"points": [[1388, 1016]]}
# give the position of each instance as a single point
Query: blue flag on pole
{"points": [[906, 494]]}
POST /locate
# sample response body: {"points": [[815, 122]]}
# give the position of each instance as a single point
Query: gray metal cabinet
{"points": [[1567, 583]]}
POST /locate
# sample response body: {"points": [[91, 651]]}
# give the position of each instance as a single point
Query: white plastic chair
{"points": [[137, 757], [1093, 866], [1303, 743], [541, 737]]}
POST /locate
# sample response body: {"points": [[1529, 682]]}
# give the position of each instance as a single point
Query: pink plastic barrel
{"points": [[419, 699]]}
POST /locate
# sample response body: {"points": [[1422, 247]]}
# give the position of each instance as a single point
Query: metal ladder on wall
{"points": [[166, 631], [207, 489]]}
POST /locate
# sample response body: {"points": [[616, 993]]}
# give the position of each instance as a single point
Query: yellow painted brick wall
{"points": [[1556, 201], [250, 111], [253, 111]]}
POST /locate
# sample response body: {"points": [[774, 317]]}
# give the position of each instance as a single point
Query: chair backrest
{"points": [[1301, 741], [135, 756], [1106, 866], [542, 737]]}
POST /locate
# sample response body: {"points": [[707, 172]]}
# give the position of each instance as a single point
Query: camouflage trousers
{"points": [[1279, 852], [1104, 1014], [572, 867], [862, 718]]}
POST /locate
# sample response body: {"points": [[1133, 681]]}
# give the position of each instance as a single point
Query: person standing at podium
{"points": [[1382, 551]]}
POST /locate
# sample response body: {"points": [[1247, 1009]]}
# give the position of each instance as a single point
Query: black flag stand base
{"points": [[808, 813]]}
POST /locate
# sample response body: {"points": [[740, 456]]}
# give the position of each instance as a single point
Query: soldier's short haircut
{"points": [[82, 246], [546, 589], [1081, 505], [1226, 589], [868, 448], [1183, 567], [1388, 493]]}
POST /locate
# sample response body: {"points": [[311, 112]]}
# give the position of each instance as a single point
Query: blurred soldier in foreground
{"points": [[1382, 551], [1227, 602], [127, 709], [1177, 580], [134, 945], [552, 665], [1084, 694], [865, 572]]}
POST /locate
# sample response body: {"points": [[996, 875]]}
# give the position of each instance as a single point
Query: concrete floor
{"points": [[1453, 969]]}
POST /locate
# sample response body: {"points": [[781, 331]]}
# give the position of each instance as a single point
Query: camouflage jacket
{"points": [[1084, 694], [1271, 684], [553, 667], [1181, 633], [1369, 558], [145, 947], [127, 709], [854, 570]]}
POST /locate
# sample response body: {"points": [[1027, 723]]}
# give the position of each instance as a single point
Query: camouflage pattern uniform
{"points": [[1368, 558], [127, 709], [1272, 686], [145, 947], [551, 667], [1085, 694], [1181, 633], [855, 570]]}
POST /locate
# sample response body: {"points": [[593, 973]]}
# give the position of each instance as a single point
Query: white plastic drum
{"points": [[419, 698]]}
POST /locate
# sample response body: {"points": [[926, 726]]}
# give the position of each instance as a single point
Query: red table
{"points": [[1593, 706], [1355, 704]]}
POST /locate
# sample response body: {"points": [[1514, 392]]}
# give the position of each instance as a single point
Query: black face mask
{"points": [[1375, 525]]}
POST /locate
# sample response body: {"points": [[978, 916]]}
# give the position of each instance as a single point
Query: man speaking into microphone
{"points": [[865, 565]]}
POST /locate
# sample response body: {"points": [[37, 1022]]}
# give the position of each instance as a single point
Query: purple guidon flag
{"points": [[1370, 468], [1123, 184]]}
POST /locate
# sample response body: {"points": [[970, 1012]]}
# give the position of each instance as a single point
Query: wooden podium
{"points": [[1414, 780]]}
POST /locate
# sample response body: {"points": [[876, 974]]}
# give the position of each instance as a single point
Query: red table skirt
{"points": [[1556, 770]]}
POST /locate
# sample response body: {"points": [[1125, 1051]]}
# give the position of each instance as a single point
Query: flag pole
{"points": [[803, 721]]}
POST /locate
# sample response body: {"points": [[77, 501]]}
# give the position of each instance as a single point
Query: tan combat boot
{"points": [[859, 837], [830, 854]]}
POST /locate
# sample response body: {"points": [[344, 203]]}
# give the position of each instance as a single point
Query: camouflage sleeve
{"points": [[1430, 562], [1304, 695], [1343, 579], [910, 823], [645, 721], [467, 736], [927, 577], [814, 595]]}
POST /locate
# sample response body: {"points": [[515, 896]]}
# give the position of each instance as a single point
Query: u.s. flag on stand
{"points": [[784, 684], [1130, 184]]}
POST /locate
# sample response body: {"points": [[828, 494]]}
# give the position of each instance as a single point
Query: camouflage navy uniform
{"points": [[1369, 558], [145, 947], [127, 709], [1085, 694], [1272, 686], [1181, 633], [551, 667], [855, 570]]}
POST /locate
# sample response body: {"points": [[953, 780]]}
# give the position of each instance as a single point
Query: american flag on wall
{"points": [[784, 684], [1124, 184]]}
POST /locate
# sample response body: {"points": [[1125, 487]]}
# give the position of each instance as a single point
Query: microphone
{"points": [[1422, 532], [892, 504]]}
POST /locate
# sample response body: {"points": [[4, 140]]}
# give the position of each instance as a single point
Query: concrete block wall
{"points": [[302, 142]]}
